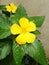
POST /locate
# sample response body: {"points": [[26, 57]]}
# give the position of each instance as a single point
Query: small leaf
{"points": [[36, 32], [21, 12], [5, 49], [18, 52], [38, 20], [36, 51]]}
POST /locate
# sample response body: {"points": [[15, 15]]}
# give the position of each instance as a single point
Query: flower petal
{"points": [[30, 37], [32, 26], [15, 29], [25, 37], [14, 9], [24, 22], [12, 5], [21, 39], [26, 25], [8, 8]]}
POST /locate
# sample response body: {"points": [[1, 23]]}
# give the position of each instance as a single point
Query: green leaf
{"points": [[27, 60], [5, 49], [4, 22], [18, 52], [4, 33], [2, 7], [8, 60], [21, 12], [13, 19], [38, 20], [36, 32], [4, 27], [36, 51]]}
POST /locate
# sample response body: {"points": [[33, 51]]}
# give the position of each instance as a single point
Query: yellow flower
{"points": [[11, 8], [24, 30]]}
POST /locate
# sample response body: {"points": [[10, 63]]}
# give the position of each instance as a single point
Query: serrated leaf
{"points": [[38, 20], [21, 12], [36, 51], [18, 52], [5, 49]]}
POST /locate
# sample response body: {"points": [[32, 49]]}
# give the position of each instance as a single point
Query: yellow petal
{"points": [[32, 26], [15, 29], [14, 9], [12, 4], [24, 22], [26, 25], [30, 37], [21, 39], [25, 37], [8, 8]]}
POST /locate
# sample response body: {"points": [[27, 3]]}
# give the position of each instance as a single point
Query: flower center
{"points": [[24, 30]]}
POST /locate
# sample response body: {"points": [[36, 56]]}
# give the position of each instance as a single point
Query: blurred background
{"points": [[36, 8]]}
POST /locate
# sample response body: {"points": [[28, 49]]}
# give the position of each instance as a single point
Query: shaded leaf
{"points": [[8, 60], [5, 49], [27, 60]]}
